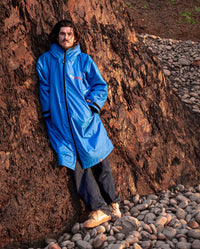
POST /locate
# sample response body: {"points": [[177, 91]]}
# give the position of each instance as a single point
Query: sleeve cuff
{"points": [[46, 114], [93, 105]]}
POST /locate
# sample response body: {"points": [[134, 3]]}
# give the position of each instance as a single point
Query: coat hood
{"points": [[58, 52]]}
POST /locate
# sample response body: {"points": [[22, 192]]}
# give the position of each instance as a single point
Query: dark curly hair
{"points": [[53, 36]]}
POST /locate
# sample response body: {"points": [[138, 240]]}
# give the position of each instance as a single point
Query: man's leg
{"points": [[104, 177], [88, 188], [89, 191], [103, 174]]}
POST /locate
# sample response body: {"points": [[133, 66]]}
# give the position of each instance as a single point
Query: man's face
{"points": [[66, 37]]}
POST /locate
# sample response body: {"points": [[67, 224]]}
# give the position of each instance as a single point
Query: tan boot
{"points": [[96, 218], [115, 210], [53, 246]]}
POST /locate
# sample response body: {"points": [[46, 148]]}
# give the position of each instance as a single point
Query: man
{"points": [[72, 93]]}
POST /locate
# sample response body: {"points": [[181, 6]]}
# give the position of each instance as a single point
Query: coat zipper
{"points": [[67, 104]]}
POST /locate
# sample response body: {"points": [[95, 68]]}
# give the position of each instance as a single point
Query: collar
{"points": [[58, 52]]}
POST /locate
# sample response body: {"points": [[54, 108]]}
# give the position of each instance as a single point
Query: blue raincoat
{"points": [[70, 86]]}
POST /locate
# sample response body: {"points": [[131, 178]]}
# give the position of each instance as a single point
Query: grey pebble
{"points": [[196, 244], [99, 240], [194, 233], [83, 244], [169, 232], [183, 245]]}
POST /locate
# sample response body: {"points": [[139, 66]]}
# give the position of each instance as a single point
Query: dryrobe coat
{"points": [[70, 83]]}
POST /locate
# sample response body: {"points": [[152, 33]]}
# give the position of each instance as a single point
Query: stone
{"points": [[168, 47], [196, 244], [75, 228], [153, 228], [119, 236], [132, 239], [152, 237], [184, 62], [145, 235], [136, 198], [161, 221], [67, 236], [116, 246], [194, 233], [134, 212], [165, 246], [195, 197], [111, 239], [100, 229], [197, 217], [61, 239], [87, 237], [147, 228], [161, 236], [127, 223], [160, 228], [171, 243], [83, 244], [93, 233], [99, 240], [167, 72], [182, 198], [152, 197], [67, 243], [146, 244], [169, 232], [169, 218], [76, 237], [149, 218], [193, 224], [142, 206], [137, 246], [183, 245], [159, 244], [183, 204], [136, 234], [50, 240], [180, 213]]}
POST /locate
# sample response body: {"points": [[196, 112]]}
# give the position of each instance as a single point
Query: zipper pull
{"points": [[64, 57]]}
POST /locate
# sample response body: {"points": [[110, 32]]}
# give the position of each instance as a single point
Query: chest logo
{"points": [[75, 77]]}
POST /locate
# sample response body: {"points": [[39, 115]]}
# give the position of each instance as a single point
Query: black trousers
{"points": [[95, 185]]}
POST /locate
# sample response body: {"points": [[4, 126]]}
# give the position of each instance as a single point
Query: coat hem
{"points": [[95, 162], [62, 161]]}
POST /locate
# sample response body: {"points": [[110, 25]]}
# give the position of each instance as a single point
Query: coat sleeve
{"points": [[98, 93], [44, 87]]}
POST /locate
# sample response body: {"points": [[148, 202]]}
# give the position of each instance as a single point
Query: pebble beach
{"points": [[171, 218], [166, 220], [181, 65]]}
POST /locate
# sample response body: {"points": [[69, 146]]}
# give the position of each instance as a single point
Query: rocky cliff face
{"points": [[156, 138]]}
